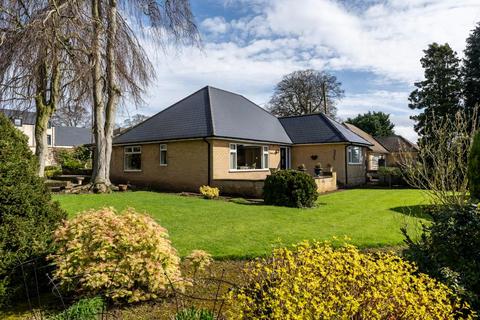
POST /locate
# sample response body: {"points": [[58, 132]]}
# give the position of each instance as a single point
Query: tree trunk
{"points": [[41, 145]]}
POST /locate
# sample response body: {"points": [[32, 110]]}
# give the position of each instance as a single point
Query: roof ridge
{"points": [[209, 106], [156, 114], [332, 126], [301, 115]]}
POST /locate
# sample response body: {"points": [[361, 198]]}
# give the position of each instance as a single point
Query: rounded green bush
{"points": [[290, 188]]}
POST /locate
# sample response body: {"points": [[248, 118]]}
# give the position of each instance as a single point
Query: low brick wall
{"points": [[244, 188], [326, 183]]}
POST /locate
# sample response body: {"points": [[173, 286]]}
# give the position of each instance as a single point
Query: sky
{"points": [[372, 47]]}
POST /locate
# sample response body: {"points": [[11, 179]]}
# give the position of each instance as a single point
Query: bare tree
{"points": [[36, 65], [441, 165], [72, 115], [121, 68], [306, 92]]}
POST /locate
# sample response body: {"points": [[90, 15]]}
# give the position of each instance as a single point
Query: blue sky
{"points": [[373, 47]]}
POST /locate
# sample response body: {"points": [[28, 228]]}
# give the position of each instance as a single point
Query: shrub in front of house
{"points": [[290, 188], [474, 168], [316, 281], [125, 257], [209, 192], [28, 215]]}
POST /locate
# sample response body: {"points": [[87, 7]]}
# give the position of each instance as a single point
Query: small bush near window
{"points": [[52, 171], [290, 188], [316, 281], [28, 215], [125, 257], [84, 309], [209, 192]]}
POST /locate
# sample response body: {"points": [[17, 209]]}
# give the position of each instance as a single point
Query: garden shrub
{"points": [[125, 257], [28, 215], [84, 309], [290, 188], [194, 314], [209, 192], [52, 171], [316, 281], [74, 161], [474, 167], [449, 249]]}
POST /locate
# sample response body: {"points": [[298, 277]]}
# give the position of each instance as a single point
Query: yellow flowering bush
{"points": [[199, 259], [209, 192], [316, 281], [125, 257]]}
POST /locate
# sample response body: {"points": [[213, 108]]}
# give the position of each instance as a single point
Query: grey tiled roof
{"points": [[318, 128], [72, 136], [209, 112], [396, 143], [26, 116]]}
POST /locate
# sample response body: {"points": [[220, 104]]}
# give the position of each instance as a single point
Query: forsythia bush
{"points": [[209, 192], [316, 281], [126, 257]]}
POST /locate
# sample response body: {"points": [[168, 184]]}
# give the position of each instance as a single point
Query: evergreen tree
{"points": [[377, 124], [474, 168], [471, 70], [28, 215], [439, 95]]}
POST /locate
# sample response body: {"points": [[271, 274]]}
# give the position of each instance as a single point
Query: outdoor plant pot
{"points": [[318, 171], [122, 187]]}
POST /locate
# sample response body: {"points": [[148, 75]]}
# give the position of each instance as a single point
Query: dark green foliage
{"points": [[84, 309], [474, 168], [439, 95], [449, 249], [194, 314], [290, 188], [471, 70], [377, 124], [27, 214], [74, 161]]}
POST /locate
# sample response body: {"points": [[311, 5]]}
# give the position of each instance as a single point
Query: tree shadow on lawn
{"points": [[422, 211]]}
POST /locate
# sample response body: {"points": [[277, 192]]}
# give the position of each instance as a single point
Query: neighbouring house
{"points": [[57, 137], [376, 153], [219, 138], [398, 148]]}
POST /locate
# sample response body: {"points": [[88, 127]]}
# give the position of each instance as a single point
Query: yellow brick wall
{"points": [[186, 170]]}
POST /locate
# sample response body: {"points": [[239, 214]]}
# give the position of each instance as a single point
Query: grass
{"points": [[369, 217]]}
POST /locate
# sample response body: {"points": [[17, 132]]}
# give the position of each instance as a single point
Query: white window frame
{"points": [[20, 122], [265, 150], [131, 150], [350, 155], [164, 148]]}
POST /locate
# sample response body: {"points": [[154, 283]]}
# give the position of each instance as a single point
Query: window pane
{"points": [[163, 157], [265, 160], [133, 161], [17, 122], [233, 160], [49, 139], [249, 157]]}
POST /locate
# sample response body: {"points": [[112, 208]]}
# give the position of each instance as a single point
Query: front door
{"points": [[284, 158]]}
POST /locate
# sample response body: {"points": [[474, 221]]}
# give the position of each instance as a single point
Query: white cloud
{"points": [[215, 25]]}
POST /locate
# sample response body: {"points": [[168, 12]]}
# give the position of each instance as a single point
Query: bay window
{"points": [[248, 157]]}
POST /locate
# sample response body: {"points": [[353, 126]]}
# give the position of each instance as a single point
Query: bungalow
{"points": [[219, 138], [398, 149]]}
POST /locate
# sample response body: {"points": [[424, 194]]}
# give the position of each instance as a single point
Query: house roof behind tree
{"points": [[72, 136], [397, 143], [318, 128], [209, 112], [375, 147], [27, 117]]}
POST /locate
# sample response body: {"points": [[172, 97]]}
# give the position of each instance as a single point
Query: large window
{"points": [[133, 158], [354, 155], [163, 154], [248, 157]]}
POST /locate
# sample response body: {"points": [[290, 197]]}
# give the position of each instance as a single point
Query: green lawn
{"points": [[370, 217]]}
